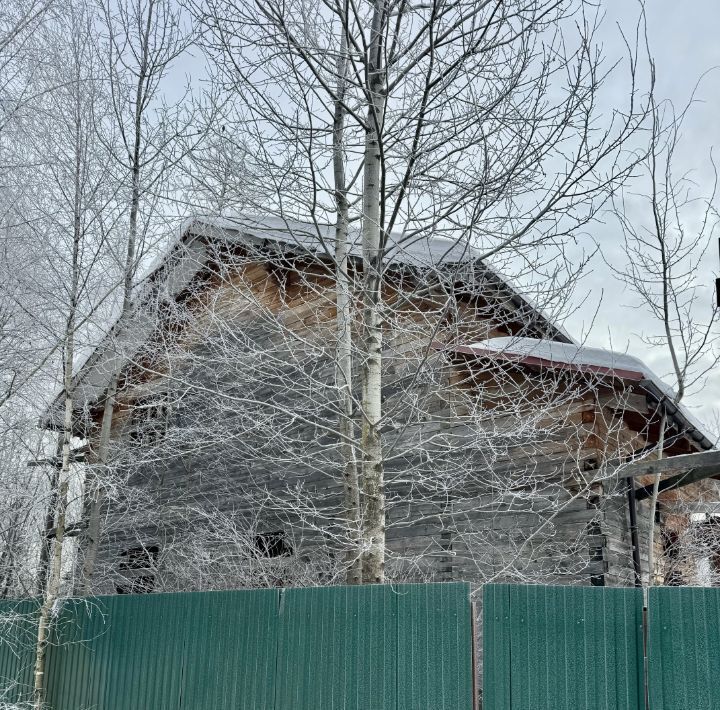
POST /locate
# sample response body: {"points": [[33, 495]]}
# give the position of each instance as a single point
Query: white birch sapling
{"points": [[343, 299], [70, 218]]}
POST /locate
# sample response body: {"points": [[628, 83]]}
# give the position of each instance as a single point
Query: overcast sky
{"points": [[684, 39]]}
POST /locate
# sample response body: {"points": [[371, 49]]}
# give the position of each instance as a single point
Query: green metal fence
{"points": [[557, 648], [562, 648], [406, 647], [337, 648], [684, 648], [18, 631]]}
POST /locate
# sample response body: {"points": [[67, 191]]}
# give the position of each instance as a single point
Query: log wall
{"points": [[475, 491]]}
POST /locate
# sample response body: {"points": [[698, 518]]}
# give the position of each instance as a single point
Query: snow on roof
{"points": [[554, 352], [417, 250], [551, 353], [420, 250]]}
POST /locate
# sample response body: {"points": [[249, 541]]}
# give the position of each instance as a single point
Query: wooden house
{"points": [[508, 446]]}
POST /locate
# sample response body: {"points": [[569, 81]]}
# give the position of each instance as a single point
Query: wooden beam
{"points": [[681, 479], [76, 456], [621, 402], [704, 464]]}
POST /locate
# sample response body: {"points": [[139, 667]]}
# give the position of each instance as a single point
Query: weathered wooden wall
{"points": [[253, 438]]}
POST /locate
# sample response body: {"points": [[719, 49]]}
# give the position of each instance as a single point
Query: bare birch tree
{"points": [[20, 48], [143, 38], [474, 121], [668, 229], [71, 206]]}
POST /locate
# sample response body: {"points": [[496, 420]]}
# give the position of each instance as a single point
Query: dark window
{"points": [[139, 557], [273, 544], [138, 567], [149, 419], [597, 553], [446, 561], [144, 584]]}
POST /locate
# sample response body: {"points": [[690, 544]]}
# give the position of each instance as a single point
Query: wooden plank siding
{"points": [[568, 529]]}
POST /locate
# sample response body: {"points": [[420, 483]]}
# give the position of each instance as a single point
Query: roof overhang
{"points": [[538, 361], [595, 362]]}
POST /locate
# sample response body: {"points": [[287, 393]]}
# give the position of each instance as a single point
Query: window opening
{"points": [[140, 560], [273, 544]]}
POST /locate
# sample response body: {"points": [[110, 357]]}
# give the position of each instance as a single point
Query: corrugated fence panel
{"points": [[496, 647], [119, 653], [684, 648], [338, 649], [18, 636], [569, 648], [375, 648], [435, 634], [231, 650], [166, 651], [406, 647]]}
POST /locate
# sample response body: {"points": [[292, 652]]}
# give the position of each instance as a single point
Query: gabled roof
{"points": [[421, 252], [175, 269]]}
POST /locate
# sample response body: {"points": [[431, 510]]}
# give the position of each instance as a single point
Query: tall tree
{"points": [[142, 39], [72, 208], [668, 229], [473, 121]]}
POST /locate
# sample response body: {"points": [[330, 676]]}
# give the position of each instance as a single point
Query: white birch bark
{"points": [[372, 322], [344, 319], [52, 591]]}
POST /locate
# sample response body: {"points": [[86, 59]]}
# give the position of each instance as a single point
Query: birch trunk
{"points": [[46, 545], [343, 365], [95, 489], [372, 454], [52, 590]]}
